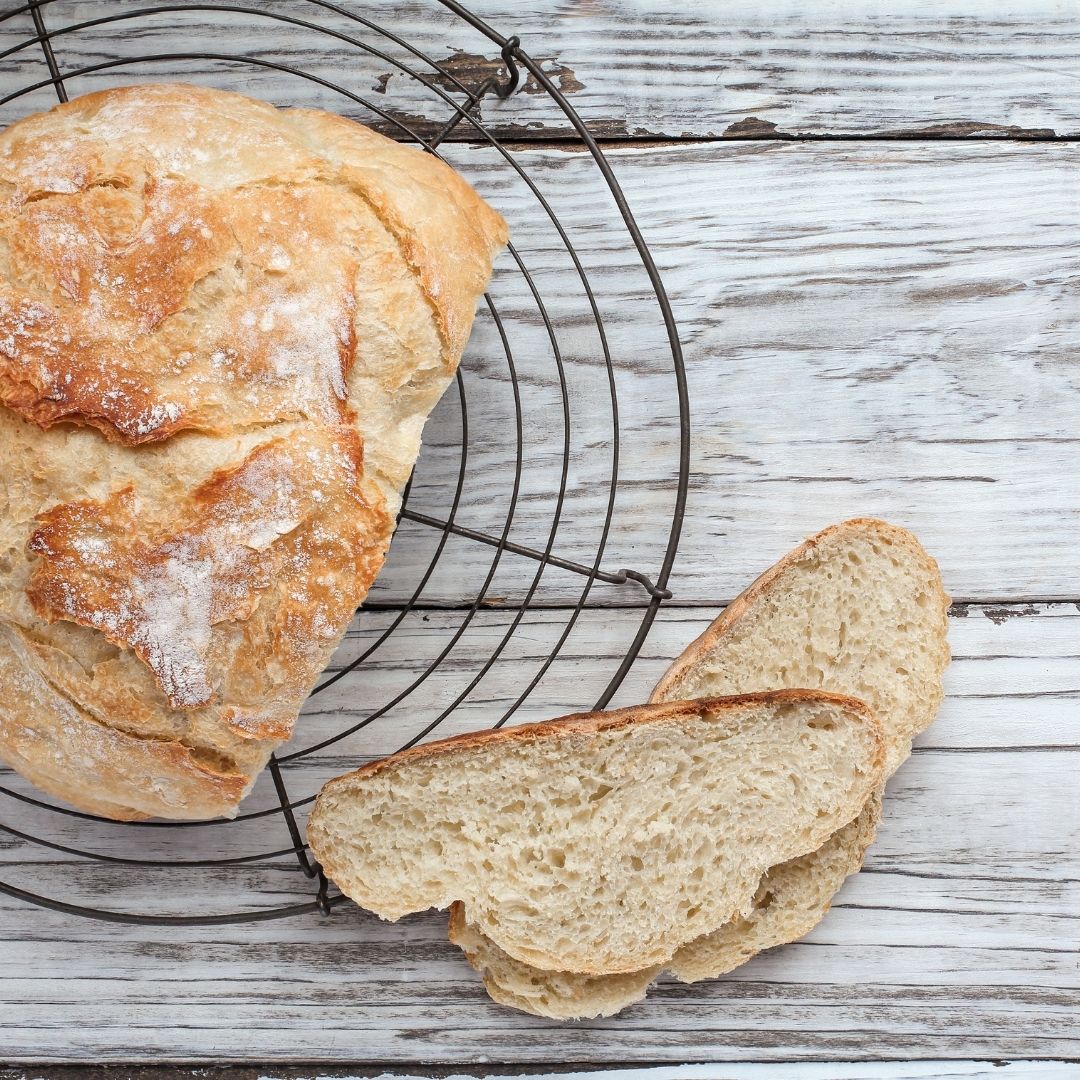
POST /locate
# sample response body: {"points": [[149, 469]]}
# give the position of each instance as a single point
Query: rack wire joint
{"points": [[492, 84]]}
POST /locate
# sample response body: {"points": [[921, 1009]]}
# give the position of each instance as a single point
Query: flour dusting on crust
{"points": [[250, 533], [206, 305]]}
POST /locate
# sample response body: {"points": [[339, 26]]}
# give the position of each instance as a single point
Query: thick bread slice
{"points": [[601, 842], [791, 900], [861, 609], [222, 328], [858, 608]]}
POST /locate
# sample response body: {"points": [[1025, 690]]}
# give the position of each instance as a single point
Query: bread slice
{"points": [[791, 900], [560, 995], [602, 842], [860, 609], [563, 995]]}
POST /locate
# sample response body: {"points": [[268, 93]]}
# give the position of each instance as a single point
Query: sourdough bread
{"points": [[860, 609], [222, 327], [602, 842]]}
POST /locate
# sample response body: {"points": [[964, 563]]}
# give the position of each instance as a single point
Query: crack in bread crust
{"points": [[256, 542], [56, 731], [269, 300]]}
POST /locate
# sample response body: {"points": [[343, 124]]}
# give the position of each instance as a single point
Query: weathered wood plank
{"points": [[884, 1070], [958, 937], [653, 68], [868, 330], [1013, 687]]}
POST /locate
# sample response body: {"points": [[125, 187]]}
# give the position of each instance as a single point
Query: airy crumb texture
{"points": [[857, 609], [559, 995], [602, 842], [563, 995], [791, 900], [222, 328]]}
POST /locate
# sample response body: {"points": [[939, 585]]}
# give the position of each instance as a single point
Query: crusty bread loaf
{"points": [[601, 842], [859, 609], [222, 326]]}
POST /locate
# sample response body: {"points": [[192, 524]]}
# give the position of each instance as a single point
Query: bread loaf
{"points": [[858, 609], [601, 843], [222, 327]]}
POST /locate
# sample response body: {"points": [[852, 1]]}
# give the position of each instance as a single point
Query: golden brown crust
{"points": [[102, 329], [456, 922], [243, 296]]}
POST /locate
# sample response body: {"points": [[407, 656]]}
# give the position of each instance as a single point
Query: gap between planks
{"points": [[912, 1069], [1006, 604], [654, 69], [648, 142]]}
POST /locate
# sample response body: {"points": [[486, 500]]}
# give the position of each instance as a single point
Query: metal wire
{"points": [[464, 117]]}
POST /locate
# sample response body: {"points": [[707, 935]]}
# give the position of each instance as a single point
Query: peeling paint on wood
{"points": [[471, 69], [969, 129], [1000, 614], [750, 127], [651, 68]]}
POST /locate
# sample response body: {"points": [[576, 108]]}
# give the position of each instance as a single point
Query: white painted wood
{"points": [[869, 328], [886, 1070], [959, 935], [1013, 687], [867, 1070], [641, 68]]}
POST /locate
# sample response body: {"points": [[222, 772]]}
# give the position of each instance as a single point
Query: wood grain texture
{"points": [[655, 68], [958, 938], [866, 1070], [870, 327]]}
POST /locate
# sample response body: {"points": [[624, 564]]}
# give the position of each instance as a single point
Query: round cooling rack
{"points": [[517, 512]]}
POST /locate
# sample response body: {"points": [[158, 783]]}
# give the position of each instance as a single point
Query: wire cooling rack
{"points": [[542, 354]]}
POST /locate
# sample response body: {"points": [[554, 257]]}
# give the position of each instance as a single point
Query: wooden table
{"points": [[868, 224]]}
